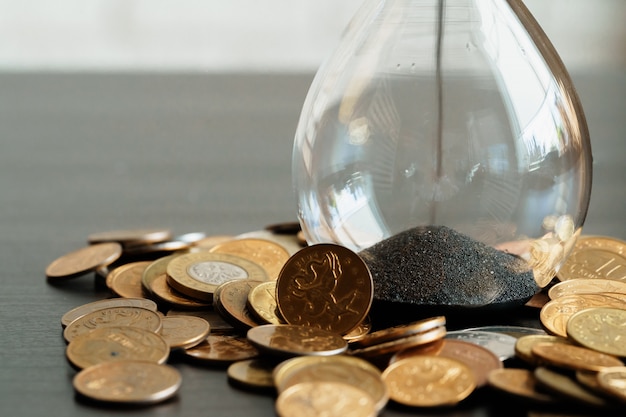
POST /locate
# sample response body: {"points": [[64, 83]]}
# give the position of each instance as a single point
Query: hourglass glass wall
{"points": [[455, 113]]}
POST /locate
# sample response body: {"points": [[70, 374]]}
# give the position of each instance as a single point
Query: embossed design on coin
{"points": [[574, 357], [325, 286], [113, 316], [601, 329], [428, 381], [292, 340], [81, 310], [595, 257], [328, 399], [270, 255], [184, 331], [81, 261], [128, 382], [222, 349], [115, 344]]}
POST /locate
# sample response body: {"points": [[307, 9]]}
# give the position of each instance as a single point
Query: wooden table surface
{"points": [[83, 153]]}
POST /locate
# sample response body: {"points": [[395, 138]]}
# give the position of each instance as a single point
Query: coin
{"points": [[156, 248], [519, 382], [524, 346], [290, 242], [162, 291], [386, 349], [125, 280], [114, 344], [428, 381], [359, 332], [208, 242], [83, 260], [613, 381], [113, 317], [292, 340], [252, 373], [325, 286], [601, 329], [324, 398], [199, 274], [595, 257], [131, 236], [338, 368], [400, 331], [222, 349], [501, 344], [566, 386], [515, 331], [184, 331], [573, 357], [269, 255], [586, 286], [262, 303], [556, 313], [216, 321], [81, 310], [232, 303], [132, 382]]}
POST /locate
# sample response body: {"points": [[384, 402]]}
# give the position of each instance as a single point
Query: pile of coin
{"points": [[281, 317]]}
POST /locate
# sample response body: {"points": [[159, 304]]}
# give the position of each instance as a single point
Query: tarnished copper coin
{"points": [[199, 274], [114, 317], [338, 368], [428, 381], [252, 373], [262, 303], [131, 236], [601, 329], [184, 331], [130, 382], [83, 260], [81, 310], [574, 357], [232, 302], [291, 340], [325, 286], [324, 398], [587, 286], [519, 382], [125, 280], [222, 349], [115, 344], [269, 255], [595, 257], [400, 331]]}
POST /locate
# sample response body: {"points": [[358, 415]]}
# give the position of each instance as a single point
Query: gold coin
{"points": [[215, 320], [184, 331], [556, 313], [601, 329], [162, 291], [428, 381], [125, 280], [222, 349], [156, 268], [83, 260], [291, 340], [325, 286], [573, 357], [232, 303], [524, 346], [198, 274], [566, 386], [519, 382], [338, 368], [130, 382], [208, 242], [363, 329], [595, 257], [400, 331], [269, 255], [113, 317], [131, 236], [115, 344], [586, 286], [81, 310], [613, 381], [324, 398], [262, 303], [397, 345], [252, 373]]}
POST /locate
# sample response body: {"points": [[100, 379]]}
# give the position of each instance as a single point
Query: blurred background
{"points": [[246, 35]]}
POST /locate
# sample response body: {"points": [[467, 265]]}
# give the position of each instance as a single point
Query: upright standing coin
{"points": [[325, 286], [125, 280], [130, 382], [107, 344], [324, 398], [81, 310], [601, 329], [114, 317], [84, 260], [428, 381], [595, 257], [290, 340], [199, 274], [270, 255], [184, 331]]}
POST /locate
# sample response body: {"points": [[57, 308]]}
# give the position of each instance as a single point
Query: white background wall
{"points": [[241, 35]]}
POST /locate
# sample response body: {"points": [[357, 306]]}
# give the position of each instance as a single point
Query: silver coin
{"points": [[515, 331], [502, 345]]}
